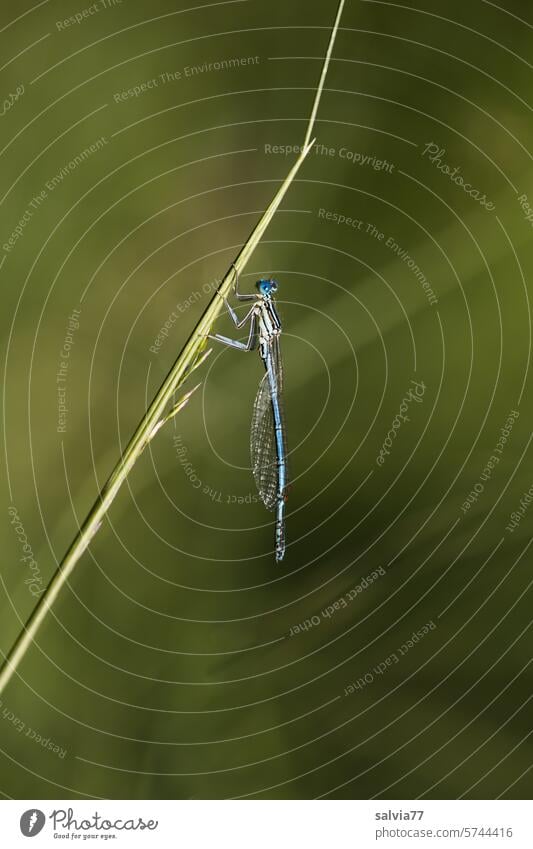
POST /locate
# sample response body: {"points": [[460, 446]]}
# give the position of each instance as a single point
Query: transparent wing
{"points": [[263, 448]]}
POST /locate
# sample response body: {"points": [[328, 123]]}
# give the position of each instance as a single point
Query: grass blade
{"points": [[190, 358], [323, 75]]}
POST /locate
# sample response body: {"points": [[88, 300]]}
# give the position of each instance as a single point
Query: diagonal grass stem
{"points": [[188, 360]]}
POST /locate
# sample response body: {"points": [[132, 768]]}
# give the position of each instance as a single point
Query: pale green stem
{"points": [[324, 73], [150, 423]]}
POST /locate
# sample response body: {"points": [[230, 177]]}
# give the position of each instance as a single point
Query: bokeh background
{"points": [[171, 666]]}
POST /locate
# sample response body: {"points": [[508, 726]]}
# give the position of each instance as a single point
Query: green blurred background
{"points": [[168, 669]]}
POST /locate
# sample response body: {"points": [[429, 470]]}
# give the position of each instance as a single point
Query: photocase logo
{"points": [[32, 822]]}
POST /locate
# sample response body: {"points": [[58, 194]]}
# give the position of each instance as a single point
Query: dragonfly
{"points": [[268, 440]]}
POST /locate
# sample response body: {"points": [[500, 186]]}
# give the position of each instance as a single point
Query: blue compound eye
{"points": [[266, 287]]}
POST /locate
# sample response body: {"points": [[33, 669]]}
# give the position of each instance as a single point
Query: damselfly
{"points": [[268, 446]]}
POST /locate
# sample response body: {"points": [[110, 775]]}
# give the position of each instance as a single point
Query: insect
{"points": [[268, 445]]}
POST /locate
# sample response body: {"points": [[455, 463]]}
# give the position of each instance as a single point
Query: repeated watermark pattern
{"points": [[479, 487], [435, 155], [415, 393], [78, 160], [180, 309], [184, 73], [34, 581], [390, 661], [341, 604], [356, 157], [518, 514], [370, 229], [11, 99], [526, 208], [84, 14], [51, 184], [196, 482], [22, 728], [340, 219], [73, 325], [405, 257]]}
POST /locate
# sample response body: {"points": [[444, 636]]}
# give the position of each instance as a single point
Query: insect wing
{"points": [[263, 446]]}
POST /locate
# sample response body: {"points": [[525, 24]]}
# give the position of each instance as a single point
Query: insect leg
{"points": [[234, 343], [239, 295], [235, 317]]}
